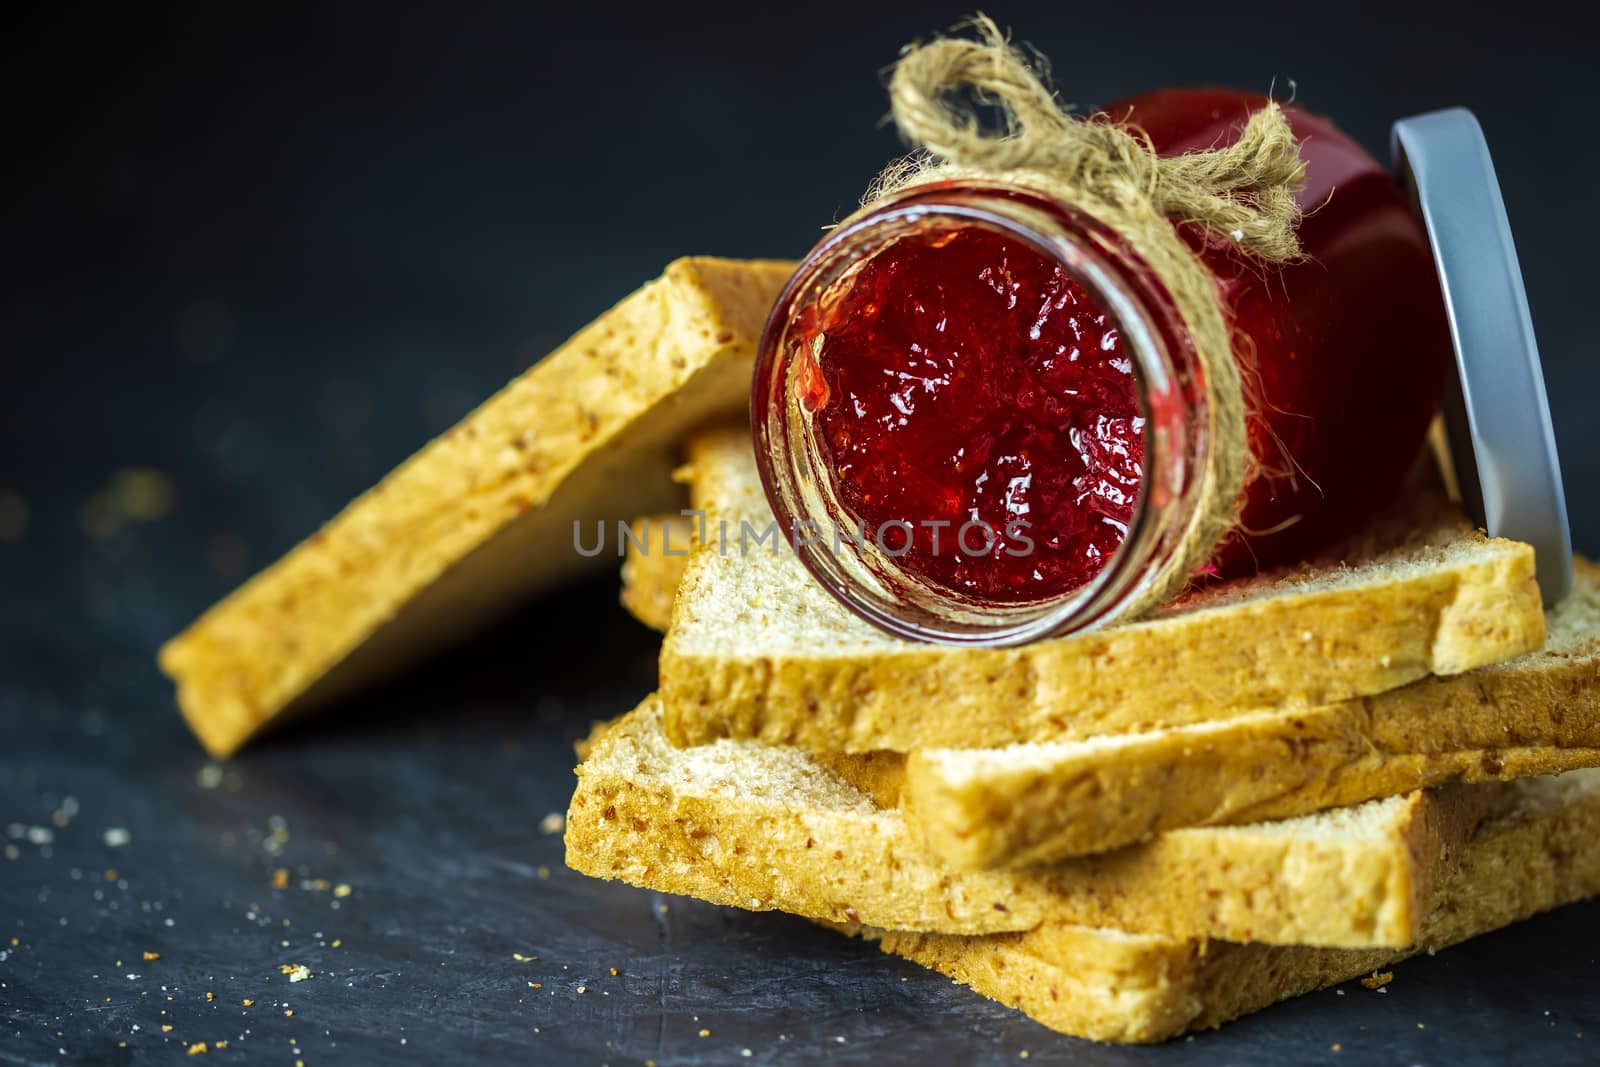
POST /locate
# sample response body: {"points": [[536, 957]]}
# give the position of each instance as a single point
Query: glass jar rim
{"points": [[1119, 282]]}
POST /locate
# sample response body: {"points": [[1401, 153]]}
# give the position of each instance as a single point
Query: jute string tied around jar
{"points": [[1243, 192]]}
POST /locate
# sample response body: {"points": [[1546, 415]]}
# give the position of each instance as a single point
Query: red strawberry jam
{"points": [[958, 377], [973, 395]]}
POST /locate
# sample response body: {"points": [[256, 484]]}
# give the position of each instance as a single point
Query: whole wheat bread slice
{"points": [[1541, 850], [1536, 714], [482, 517], [766, 827], [757, 650]]}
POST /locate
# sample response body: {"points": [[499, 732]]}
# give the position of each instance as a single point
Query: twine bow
{"points": [[1243, 193]]}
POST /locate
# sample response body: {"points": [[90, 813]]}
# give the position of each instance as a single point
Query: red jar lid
{"points": [[1496, 412]]}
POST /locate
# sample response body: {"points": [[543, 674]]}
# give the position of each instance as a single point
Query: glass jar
{"points": [[967, 359]]}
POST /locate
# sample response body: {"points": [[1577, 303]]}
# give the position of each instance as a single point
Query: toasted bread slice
{"points": [[766, 827], [757, 650], [1539, 851], [1536, 714], [483, 516]]}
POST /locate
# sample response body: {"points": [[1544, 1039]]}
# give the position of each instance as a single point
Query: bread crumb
{"points": [[280, 878], [211, 996], [220, 1044], [288, 1013], [150, 957], [337, 942], [520, 958], [704, 1032], [297, 972], [553, 823], [198, 1049], [615, 972], [247, 1002], [342, 890], [1337, 1047], [166, 1028], [535, 985], [1378, 979]]}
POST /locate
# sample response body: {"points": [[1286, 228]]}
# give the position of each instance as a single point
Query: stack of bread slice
{"points": [[1270, 787]]}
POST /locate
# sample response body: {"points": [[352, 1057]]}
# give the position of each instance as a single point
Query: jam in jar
{"points": [[979, 417]]}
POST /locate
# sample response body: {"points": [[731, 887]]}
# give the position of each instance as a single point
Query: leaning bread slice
{"points": [[1021, 804], [1540, 851], [767, 827], [483, 516], [757, 650]]}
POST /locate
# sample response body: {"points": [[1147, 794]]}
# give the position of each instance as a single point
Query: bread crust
{"points": [[1540, 852], [1536, 714]]}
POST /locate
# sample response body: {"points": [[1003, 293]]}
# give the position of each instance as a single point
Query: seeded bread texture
{"points": [[766, 827], [1541, 850], [757, 650], [481, 518], [1536, 714]]}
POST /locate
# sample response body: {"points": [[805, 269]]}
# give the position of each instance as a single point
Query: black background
{"points": [[270, 250]]}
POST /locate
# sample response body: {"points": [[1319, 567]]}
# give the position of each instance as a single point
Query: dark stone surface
{"points": [[267, 253], [425, 799]]}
